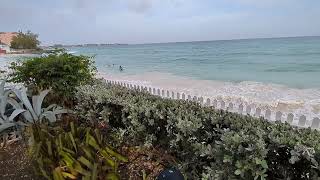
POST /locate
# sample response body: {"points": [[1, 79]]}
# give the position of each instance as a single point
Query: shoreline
{"points": [[265, 96]]}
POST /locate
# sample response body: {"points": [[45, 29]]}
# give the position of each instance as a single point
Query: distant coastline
{"points": [[84, 45]]}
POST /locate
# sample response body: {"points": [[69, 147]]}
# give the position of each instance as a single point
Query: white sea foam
{"points": [[273, 96]]}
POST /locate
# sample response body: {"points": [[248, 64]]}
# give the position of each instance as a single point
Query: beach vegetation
{"points": [[17, 111], [116, 132], [59, 71], [27, 40], [207, 143], [73, 152]]}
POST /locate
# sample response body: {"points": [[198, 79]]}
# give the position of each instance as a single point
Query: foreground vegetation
{"points": [[111, 132], [207, 143]]}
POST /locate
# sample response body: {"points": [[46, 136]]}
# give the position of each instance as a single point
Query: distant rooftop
{"points": [[6, 37]]}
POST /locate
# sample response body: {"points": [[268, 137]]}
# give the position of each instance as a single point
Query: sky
{"points": [[153, 21]]}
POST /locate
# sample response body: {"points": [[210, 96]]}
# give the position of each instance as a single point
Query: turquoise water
{"points": [[294, 62], [281, 74]]}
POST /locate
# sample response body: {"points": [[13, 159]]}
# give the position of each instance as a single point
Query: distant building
{"points": [[4, 48], [6, 37], [5, 41]]}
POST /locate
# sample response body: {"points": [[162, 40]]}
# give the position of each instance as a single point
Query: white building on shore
{"points": [[5, 41], [5, 47]]}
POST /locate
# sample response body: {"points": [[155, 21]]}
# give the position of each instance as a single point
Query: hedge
{"points": [[207, 143]]}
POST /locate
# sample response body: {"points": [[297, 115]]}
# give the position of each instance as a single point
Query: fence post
{"points": [[222, 104], [240, 110], [230, 107], [248, 109], [183, 96], [302, 121], [258, 112], [290, 118], [208, 102], [215, 103], [158, 92], [194, 99], [315, 123], [162, 92], [172, 95], [278, 116], [178, 95]]}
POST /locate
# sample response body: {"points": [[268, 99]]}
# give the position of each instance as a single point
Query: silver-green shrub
{"points": [[208, 143], [17, 110]]}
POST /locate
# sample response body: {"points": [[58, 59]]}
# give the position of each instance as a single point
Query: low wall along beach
{"points": [[237, 107]]}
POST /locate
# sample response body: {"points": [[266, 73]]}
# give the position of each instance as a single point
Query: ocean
{"points": [[279, 73]]}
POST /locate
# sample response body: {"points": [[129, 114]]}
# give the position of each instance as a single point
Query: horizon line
{"points": [[169, 42]]}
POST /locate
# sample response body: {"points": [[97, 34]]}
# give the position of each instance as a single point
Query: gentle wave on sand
{"points": [[273, 96]]}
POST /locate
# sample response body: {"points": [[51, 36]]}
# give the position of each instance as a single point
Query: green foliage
{"points": [[7, 114], [15, 102], [74, 152], [59, 71], [209, 143], [26, 40]]}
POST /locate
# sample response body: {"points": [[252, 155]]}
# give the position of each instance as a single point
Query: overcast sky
{"points": [[144, 21]]}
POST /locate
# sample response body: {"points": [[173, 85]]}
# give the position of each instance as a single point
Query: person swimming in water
{"points": [[120, 68]]}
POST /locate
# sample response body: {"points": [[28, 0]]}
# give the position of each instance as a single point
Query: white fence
{"points": [[241, 108]]}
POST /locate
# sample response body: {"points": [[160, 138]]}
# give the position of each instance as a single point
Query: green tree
{"points": [[27, 40]]}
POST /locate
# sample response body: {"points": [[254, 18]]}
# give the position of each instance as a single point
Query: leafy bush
{"points": [[73, 153], [209, 143], [60, 71]]}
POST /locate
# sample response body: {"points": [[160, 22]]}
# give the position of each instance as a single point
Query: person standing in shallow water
{"points": [[120, 68]]}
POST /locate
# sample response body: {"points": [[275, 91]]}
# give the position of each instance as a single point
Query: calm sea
{"points": [[282, 74], [294, 62]]}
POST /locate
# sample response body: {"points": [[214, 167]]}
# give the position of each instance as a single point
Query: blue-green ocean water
{"points": [[282, 74], [294, 62]]}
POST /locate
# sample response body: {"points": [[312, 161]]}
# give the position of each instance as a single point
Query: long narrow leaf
{"points": [[73, 141], [15, 113], [86, 162], [87, 152], [39, 101], [94, 173], [116, 155], [57, 174], [3, 103], [79, 169], [3, 82], [6, 126], [49, 115], [26, 102], [68, 175]]}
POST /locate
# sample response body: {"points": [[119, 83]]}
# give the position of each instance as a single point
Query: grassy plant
{"points": [[73, 153]]}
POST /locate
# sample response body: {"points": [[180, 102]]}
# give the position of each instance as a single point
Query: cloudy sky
{"points": [[145, 21]]}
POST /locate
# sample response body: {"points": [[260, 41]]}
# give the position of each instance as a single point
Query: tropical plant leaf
{"points": [[39, 100], [6, 126], [57, 174], [73, 141], [94, 172], [116, 155], [68, 175], [15, 113], [112, 176], [86, 162], [49, 115]]}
